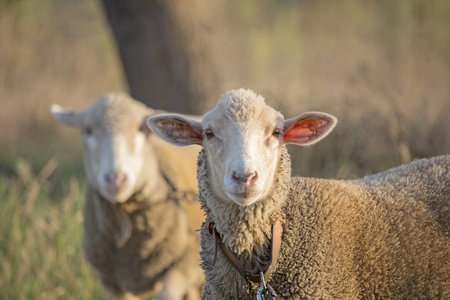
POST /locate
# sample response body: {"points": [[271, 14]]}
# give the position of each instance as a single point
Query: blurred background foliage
{"points": [[381, 67]]}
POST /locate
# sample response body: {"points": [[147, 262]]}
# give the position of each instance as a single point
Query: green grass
{"points": [[40, 239]]}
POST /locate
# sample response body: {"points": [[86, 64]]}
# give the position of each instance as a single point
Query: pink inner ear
{"points": [[190, 134], [304, 130], [181, 130]]}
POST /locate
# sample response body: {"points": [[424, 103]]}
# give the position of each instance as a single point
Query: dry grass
{"points": [[40, 239]]}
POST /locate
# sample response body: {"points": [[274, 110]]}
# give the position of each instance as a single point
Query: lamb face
{"points": [[115, 144], [242, 148], [242, 137]]}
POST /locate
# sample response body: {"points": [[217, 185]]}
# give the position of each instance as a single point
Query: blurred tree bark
{"points": [[164, 50]]}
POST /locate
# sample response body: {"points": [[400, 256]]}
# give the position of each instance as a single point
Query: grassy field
{"points": [[50, 52], [382, 67], [40, 238]]}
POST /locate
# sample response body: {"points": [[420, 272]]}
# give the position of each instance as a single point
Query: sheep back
{"points": [[383, 236]]}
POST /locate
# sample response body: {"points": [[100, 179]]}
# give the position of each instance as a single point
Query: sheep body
{"points": [[160, 255], [342, 239], [161, 244], [383, 236]]}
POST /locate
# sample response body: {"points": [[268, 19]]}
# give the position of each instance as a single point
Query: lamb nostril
{"points": [[115, 179], [250, 178], [245, 178]]}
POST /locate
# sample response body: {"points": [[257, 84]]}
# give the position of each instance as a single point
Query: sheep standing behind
{"points": [[136, 231], [385, 236]]}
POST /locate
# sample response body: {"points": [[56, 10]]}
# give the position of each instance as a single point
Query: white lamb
{"points": [[386, 236], [136, 232]]}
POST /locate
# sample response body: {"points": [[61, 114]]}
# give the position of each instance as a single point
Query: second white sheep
{"points": [[136, 232]]}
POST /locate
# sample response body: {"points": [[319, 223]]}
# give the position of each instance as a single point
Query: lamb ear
{"points": [[66, 117], [176, 129], [308, 128]]}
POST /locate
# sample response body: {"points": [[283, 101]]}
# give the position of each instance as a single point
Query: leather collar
{"points": [[253, 275]]}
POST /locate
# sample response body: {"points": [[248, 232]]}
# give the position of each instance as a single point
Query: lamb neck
{"points": [[246, 230]]}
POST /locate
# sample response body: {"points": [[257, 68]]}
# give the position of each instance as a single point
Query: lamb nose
{"points": [[245, 178], [115, 179]]}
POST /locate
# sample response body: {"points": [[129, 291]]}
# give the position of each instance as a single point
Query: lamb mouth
{"points": [[245, 195], [115, 195]]}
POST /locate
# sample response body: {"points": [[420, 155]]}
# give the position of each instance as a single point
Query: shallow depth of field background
{"points": [[381, 67]]}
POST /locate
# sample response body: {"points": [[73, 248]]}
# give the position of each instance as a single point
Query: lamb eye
{"points": [[87, 130], [209, 133], [276, 132]]}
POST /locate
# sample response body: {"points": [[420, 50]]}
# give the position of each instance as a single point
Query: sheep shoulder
{"points": [[178, 164], [179, 167]]}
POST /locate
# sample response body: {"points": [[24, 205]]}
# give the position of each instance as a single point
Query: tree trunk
{"points": [[163, 48]]}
